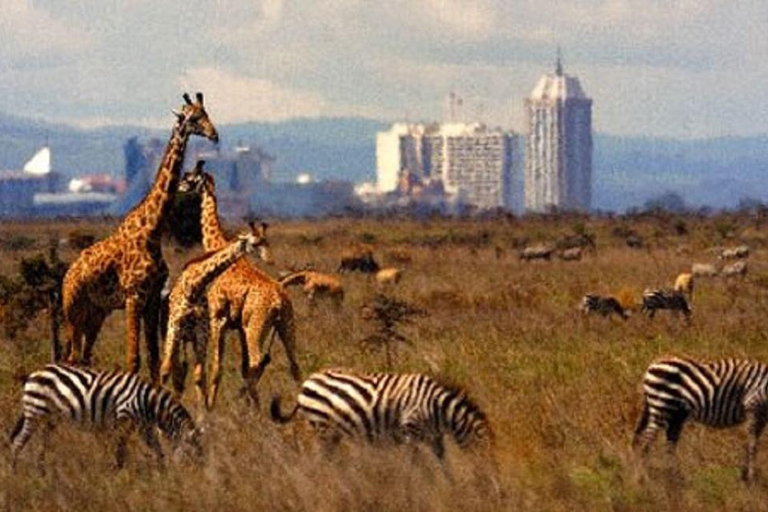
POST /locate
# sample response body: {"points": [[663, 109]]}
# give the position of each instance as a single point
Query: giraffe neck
{"points": [[213, 234], [213, 265], [148, 217]]}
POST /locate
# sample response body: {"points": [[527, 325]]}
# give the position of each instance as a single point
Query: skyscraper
{"points": [[558, 145]]}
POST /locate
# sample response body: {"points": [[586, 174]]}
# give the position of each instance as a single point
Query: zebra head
{"points": [[467, 423]]}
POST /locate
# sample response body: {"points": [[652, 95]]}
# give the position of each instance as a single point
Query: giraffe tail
{"points": [[276, 413]]}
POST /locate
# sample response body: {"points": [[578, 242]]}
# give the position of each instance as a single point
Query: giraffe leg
{"points": [[257, 334], [200, 338], [73, 338], [756, 425], [95, 321], [151, 318], [286, 329], [217, 352], [132, 326]]}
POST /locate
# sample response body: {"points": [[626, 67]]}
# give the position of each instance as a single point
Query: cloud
{"points": [[233, 98], [28, 32]]}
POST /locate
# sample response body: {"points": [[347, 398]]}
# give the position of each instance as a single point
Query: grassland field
{"points": [[561, 391]]}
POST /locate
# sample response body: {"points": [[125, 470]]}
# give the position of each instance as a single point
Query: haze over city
{"points": [[683, 69]]}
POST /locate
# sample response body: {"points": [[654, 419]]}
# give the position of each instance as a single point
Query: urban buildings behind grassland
{"points": [[558, 145], [449, 164]]}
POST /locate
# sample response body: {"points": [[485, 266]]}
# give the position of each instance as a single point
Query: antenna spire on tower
{"points": [[559, 64]]}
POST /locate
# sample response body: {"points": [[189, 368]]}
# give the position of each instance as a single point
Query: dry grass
{"points": [[561, 391]]}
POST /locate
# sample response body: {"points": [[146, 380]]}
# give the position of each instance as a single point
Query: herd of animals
{"points": [[222, 291]]}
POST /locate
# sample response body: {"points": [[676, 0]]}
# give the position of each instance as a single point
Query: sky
{"points": [[666, 68]]}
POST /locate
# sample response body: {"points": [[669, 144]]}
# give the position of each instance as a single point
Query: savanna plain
{"points": [[561, 390]]}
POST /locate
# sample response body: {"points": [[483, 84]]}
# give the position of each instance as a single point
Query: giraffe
{"points": [[245, 299], [187, 318], [127, 270]]}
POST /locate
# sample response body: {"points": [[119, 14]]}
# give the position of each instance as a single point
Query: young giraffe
{"points": [[242, 298], [127, 268], [188, 318]]}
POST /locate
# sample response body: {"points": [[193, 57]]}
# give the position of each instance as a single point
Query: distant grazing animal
{"points": [[358, 257], [604, 306], [127, 269], [684, 284], [738, 268], [389, 275], [703, 270], [572, 254], [102, 400], [653, 300], [720, 394], [379, 407], [734, 253], [316, 285], [188, 316], [537, 252], [242, 298]]}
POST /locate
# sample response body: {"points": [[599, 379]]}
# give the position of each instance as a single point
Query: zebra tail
{"points": [[642, 423], [17, 428], [276, 413]]}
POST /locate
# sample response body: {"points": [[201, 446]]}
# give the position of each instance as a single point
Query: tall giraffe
{"points": [[243, 298], [187, 320], [127, 268]]}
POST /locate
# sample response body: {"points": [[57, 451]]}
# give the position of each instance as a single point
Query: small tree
{"points": [[387, 313]]}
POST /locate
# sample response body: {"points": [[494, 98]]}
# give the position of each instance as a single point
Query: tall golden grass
{"points": [[560, 390]]}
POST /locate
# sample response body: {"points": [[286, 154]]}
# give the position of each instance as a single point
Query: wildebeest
{"points": [[605, 306], [358, 257]]}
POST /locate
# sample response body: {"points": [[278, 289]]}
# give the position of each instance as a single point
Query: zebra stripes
{"points": [[720, 394], [654, 300], [604, 306], [100, 401], [379, 407]]}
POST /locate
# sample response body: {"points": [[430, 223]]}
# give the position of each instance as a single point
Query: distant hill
{"points": [[627, 170]]}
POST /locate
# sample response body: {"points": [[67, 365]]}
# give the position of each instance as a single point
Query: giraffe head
{"points": [[197, 180], [193, 119], [257, 240]]}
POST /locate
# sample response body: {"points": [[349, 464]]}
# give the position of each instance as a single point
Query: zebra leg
{"points": [[22, 432], [755, 428], [47, 431], [438, 447], [675, 425], [125, 428], [150, 438]]}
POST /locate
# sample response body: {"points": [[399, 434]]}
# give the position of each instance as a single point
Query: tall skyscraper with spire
{"points": [[558, 144]]}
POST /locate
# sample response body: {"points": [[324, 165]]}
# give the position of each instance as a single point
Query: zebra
{"points": [[592, 303], [380, 408], [721, 393], [654, 300], [100, 401]]}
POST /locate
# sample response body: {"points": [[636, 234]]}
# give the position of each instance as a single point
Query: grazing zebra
{"points": [[380, 407], [102, 400], [720, 394], [654, 300], [592, 303]]}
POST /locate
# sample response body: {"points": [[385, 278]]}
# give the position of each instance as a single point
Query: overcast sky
{"points": [[683, 68]]}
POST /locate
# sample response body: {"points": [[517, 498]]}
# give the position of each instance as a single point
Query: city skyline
{"points": [[685, 69]]}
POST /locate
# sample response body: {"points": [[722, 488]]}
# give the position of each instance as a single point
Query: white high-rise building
{"points": [[558, 145], [472, 162]]}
